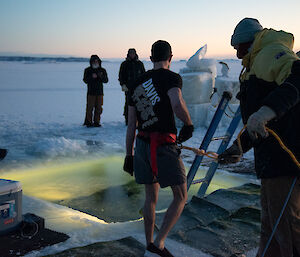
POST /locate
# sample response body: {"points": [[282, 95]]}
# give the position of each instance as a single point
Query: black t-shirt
{"points": [[151, 101]]}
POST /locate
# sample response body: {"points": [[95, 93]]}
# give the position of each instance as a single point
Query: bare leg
{"points": [[149, 210], [172, 215]]}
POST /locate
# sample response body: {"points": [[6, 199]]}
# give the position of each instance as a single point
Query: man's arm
{"points": [[181, 111], [102, 75], [143, 68], [130, 137], [86, 77], [276, 104], [131, 130], [179, 106], [121, 74]]}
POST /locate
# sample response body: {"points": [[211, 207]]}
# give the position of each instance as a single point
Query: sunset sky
{"points": [[109, 28]]}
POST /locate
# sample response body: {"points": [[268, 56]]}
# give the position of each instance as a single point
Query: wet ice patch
{"points": [[60, 146]]}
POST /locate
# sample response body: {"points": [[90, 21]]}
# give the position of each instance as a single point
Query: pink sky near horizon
{"points": [[109, 28]]}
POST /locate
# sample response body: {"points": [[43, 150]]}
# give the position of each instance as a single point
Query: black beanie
{"points": [[95, 57], [132, 50], [161, 51]]}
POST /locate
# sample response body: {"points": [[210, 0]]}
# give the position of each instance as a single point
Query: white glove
{"points": [[124, 88], [257, 121]]}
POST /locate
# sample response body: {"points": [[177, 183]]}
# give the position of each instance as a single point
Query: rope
{"points": [[214, 155], [197, 151], [284, 147]]}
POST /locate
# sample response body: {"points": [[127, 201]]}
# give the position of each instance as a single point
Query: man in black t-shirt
{"points": [[156, 162]]}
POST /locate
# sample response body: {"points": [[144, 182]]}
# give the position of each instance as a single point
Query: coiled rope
{"points": [[214, 155]]}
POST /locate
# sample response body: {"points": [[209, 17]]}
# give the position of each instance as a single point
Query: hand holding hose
{"points": [[232, 154], [257, 121]]}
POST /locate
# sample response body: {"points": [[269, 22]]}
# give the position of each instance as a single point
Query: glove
{"points": [[185, 133], [257, 121], [230, 155], [128, 164]]}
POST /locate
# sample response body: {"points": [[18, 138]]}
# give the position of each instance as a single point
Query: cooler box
{"points": [[10, 205]]}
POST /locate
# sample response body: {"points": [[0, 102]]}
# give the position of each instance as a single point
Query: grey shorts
{"points": [[171, 170]]}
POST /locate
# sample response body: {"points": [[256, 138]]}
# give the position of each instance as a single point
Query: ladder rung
{"points": [[197, 181], [219, 138]]}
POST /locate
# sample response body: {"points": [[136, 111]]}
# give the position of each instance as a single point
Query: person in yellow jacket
{"points": [[270, 96]]}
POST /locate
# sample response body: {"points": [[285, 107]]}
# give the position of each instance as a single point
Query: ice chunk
{"points": [[225, 69], [226, 118], [198, 114], [227, 84], [197, 87], [193, 62], [59, 146], [198, 63]]}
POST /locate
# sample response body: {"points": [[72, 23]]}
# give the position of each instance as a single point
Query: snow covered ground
{"points": [[42, 108]]}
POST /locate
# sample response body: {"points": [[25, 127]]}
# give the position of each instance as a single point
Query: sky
{"points": [[109, 27]]}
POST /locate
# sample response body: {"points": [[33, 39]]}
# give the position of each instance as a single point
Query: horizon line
{"points": [[31, 55]]}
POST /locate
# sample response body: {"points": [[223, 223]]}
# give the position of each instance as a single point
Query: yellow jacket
{"points": [[271, 56], [272, 78]]}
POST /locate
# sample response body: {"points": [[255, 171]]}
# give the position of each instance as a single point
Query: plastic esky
{"points": [[110, 27]]}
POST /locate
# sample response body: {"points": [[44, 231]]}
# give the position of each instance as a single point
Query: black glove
{"points": [[128, 164], [230, 155], [185, 133]]}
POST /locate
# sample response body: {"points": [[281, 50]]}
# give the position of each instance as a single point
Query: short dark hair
{"points": [[131, 50], [161, 51]]}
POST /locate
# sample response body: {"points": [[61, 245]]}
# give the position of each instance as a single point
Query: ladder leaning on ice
{"points": [[206, 141]]}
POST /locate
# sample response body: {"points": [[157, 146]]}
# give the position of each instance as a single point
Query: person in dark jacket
{"points": [[94, 77], [130, 70], [270, 96]]}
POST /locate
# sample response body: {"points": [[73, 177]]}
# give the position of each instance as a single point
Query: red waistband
{"points": [[157, 139]]}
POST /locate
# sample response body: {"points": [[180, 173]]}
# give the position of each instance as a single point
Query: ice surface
{"points": [[85, 229], [42, 107]]}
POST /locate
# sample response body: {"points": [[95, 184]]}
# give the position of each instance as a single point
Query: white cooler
{"points": [[10, 205]]}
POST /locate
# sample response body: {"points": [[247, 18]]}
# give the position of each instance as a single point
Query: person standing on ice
{"points": [[270, 95], [94, 76], [130, 70], [156, 162]]}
